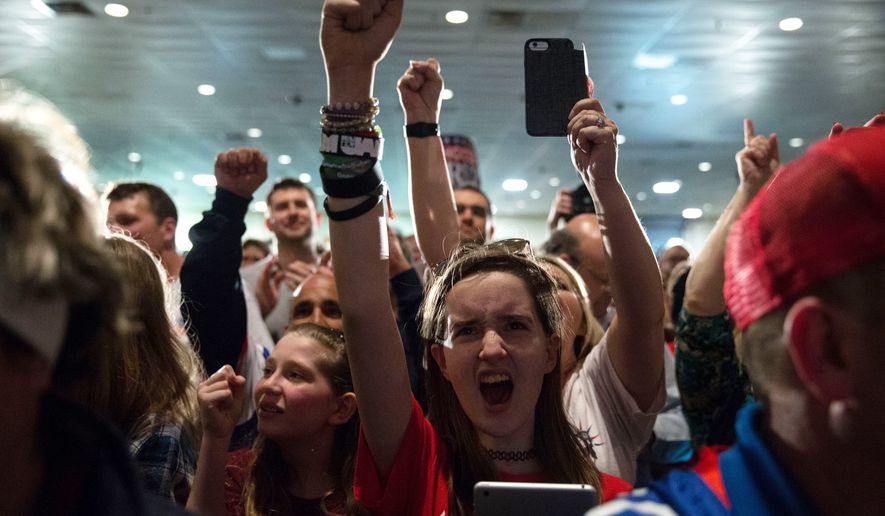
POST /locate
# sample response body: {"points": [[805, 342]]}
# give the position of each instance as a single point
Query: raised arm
{"points": [[712, 384], [635, 338], [430, 189], [355, 35], [756, 162], [210, 278]]}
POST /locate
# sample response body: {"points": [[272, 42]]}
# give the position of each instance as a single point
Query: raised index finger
{"points": [[748, 131]]}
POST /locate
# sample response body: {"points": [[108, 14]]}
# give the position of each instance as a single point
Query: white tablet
{"points": [[531, 499]]}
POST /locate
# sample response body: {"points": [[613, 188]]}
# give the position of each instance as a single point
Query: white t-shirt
{"points": [[278, 319], [597, 403], [259, 345]]}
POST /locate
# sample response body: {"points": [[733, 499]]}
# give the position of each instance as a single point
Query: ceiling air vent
{"points": [[70, 8], [507, 18]]}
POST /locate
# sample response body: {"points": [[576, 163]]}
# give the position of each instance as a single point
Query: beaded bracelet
{"points": [[352, 107]]}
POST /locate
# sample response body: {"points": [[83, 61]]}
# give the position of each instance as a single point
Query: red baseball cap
{"points": [[819, 216]]}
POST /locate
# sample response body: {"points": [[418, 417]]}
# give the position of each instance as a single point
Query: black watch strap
{"points": [[422, 130]]}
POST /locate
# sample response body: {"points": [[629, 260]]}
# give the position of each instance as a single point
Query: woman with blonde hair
{"points": [[580, 330], [146, 382]]}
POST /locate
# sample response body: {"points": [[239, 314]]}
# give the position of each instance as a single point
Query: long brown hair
{"points": [[564, 457], [265, 489], [126, 387]]}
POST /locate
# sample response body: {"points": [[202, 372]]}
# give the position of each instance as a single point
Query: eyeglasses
{"points": [[479, 211]]}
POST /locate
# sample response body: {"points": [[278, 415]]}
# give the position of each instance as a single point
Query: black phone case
{"points": [[554, 81]]}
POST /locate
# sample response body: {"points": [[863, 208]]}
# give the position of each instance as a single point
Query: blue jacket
{"points": [[754, 483]]}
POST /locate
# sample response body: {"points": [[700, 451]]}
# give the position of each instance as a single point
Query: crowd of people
{"points": [[377, 378]]}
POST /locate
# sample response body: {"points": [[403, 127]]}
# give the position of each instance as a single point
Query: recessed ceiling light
{"points": [[178, 175], [678, 99], [796, 142], [654, 61], [705, 166], [254, 132], [447, 94], [116, 10], [284, 53], [304, 177], [259, 206], [692, 213], [666, 187], [134, 157], [284, 159], [621, 139], [457, 16], [206, 89], [207, 180], [790, 24], [42, 8], [514, 185], [554, 182], [536, 194], [641, 196]]}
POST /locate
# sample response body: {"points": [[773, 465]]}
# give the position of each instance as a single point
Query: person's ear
{"points": [[554, 348], [345, 407], [436, 350], [168, 228], [490, 233], [815, 347], [268, 223]]}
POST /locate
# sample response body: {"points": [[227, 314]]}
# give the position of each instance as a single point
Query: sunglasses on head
{"points": [[508, 246]]}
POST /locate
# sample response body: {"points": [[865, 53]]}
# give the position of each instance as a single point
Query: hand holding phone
{"points": [[555, 80]]}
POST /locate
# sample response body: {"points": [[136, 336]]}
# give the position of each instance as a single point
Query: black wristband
{"points": [[422, 130], [350, 183], [364, 207]]}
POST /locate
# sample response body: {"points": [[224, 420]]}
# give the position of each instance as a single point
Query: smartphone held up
{"points": [[555, 80]]}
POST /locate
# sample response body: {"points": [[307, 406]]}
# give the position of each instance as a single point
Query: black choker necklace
{"points": [[511, 456]]}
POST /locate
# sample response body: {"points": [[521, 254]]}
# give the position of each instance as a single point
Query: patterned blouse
{"points": [[712, 381]]}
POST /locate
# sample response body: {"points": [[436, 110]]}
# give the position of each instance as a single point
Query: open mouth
{"points": [[496, 389], [269, 409]]}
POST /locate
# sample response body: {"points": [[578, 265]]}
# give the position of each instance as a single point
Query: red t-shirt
{"points": [[417, 483]]}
